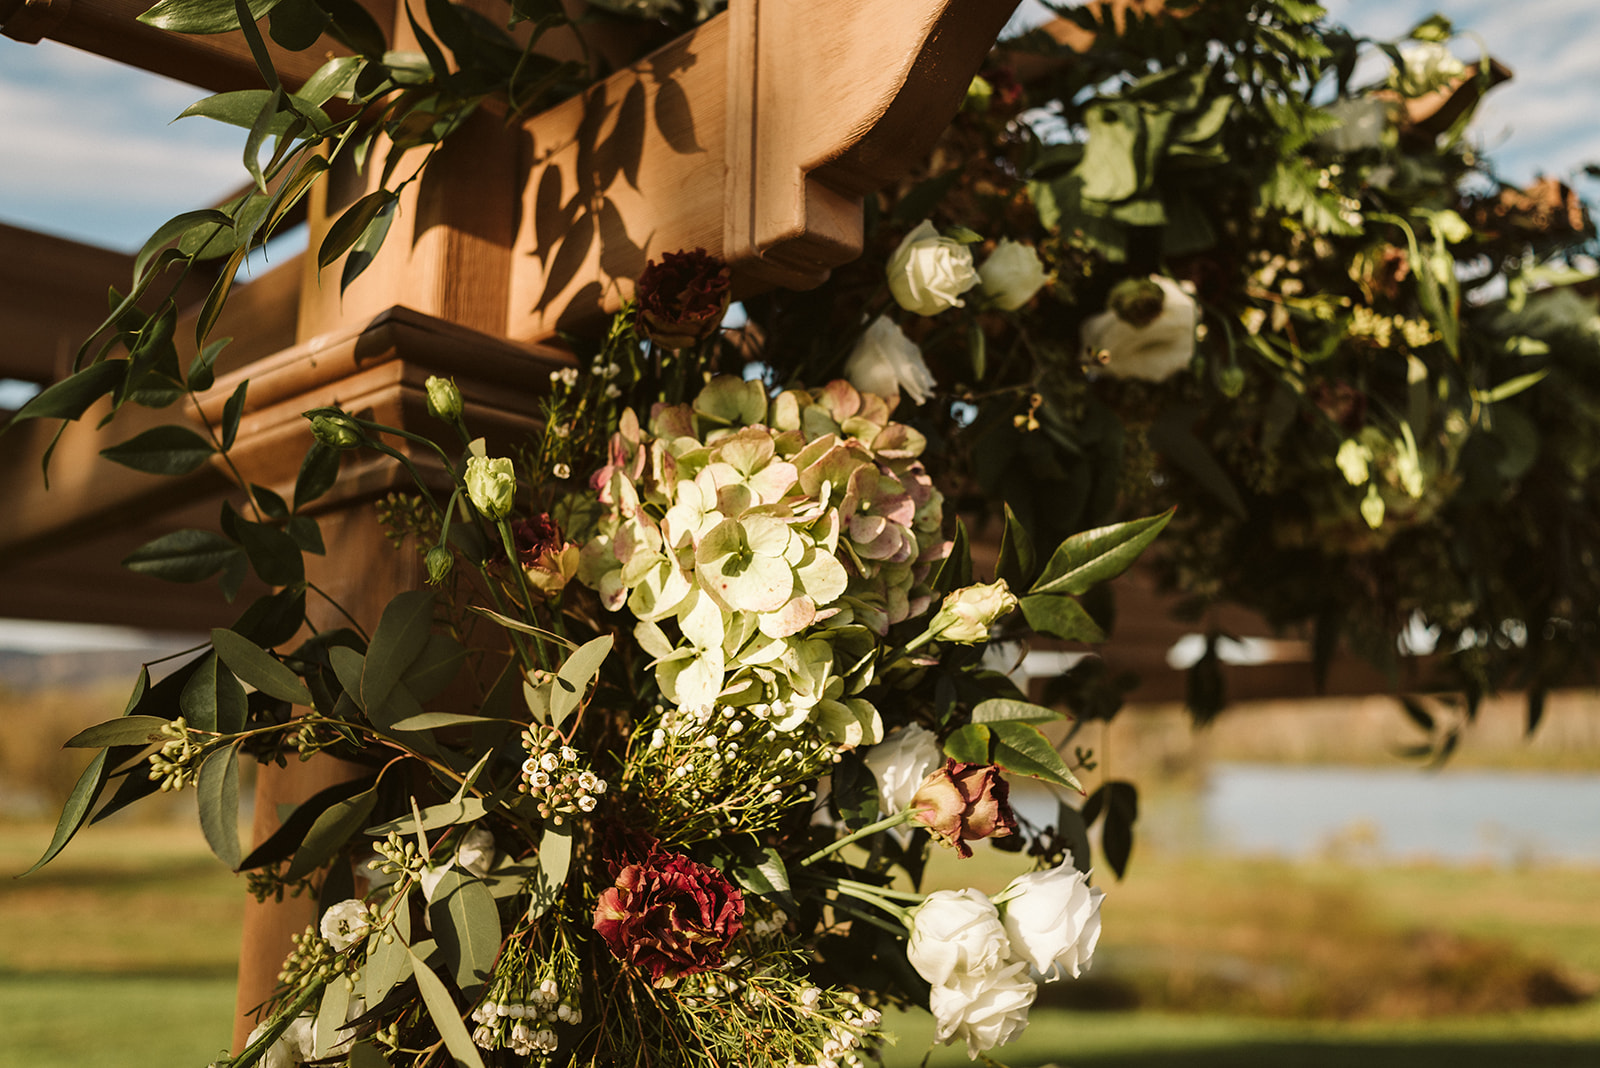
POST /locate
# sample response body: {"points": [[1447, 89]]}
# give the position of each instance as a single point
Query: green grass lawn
{"points": [[121, 954]]}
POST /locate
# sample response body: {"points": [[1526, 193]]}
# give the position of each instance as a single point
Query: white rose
{"points": [[928, 273], [1012, 275], [1362, 121], [986, 1011], [900, 762], [885, 361], [956, 934], [346, 923], [476, 852], [1150, 348], [1052, 920]]}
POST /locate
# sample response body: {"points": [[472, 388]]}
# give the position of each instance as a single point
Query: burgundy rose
{"points": [[683, 298], [960, 803], [669, 916]]}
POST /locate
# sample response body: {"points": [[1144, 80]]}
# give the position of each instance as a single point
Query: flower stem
{"points": [[896, 820]]}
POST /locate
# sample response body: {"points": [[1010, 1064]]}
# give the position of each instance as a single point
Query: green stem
{"points": [[896, 820]]}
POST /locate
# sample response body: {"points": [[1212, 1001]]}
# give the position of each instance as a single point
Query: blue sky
{"points": [[91, 151]]}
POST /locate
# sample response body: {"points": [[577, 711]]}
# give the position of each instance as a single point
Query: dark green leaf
{"points": [[170, 231], [331, 79], [232, 411], [1017, 560], [307, 534], [296, 25], [434, 668], [401, 636], [272, 619], [1061, 616], [351, 225], [1071, 827], [213, 700], [1119, 802], [348, 664], [367, 245], [71, 397], [217, 794], [260, 130], [259, 668], [273, 554], [184, 556], [1020, 748], [201, 16], [1206, 690], [1094, 556], [258, 46], [211, 308], [969, 744], [76, 810], [202, 369], [1171, 436], [162, 450], [318, 472], [467, 926], [446, 1017], [329, 832], [761, 871], [124, 730]]}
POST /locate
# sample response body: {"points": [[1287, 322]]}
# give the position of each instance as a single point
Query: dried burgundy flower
{"points": [[960, 803], [683, 298], [535, 537], [669, 916]]}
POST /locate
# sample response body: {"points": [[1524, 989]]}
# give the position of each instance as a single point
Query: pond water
{"points": [[1449, 815]]}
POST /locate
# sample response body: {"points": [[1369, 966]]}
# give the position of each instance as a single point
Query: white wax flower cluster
{"points": [[979, 953], [755, 540]]}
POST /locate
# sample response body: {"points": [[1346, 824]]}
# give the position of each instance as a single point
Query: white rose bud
{"points": [[928, 273], [985, 1011], [956, 934], [967, 614], [476, 852], [1012, 274], [1148, 333], [900, 762], [885, 361], [1052, 919], [346, 923], [492, 485]]}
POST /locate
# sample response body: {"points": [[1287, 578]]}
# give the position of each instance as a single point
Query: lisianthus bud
{"points": [[439, 561], [967, 614], [669, 916], [444, 399], [683, 298], [885, 361], [1012, 274], [928, 273], [492, 485], [337, 431], [961, 803]]}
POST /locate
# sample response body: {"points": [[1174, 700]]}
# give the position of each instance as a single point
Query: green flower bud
{"points": [[444, 399], [1137, 301], [1230, 380], [439, 561], [967, 614], [337, 431], [492, 485]]}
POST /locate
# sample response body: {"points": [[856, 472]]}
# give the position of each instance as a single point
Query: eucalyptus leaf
{"points": [[217, 796], [555, 859], [387, 961], [448, 814], [124, 730], [330, 1019], [82, 798], [259, 668], [329, 832], [573, 680], [446, 1017], [466, 924], [401, 636]]}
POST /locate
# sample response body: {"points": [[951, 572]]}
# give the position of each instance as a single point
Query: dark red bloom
{"points": [[669, 916], [535, 537], [961, 803], [683, 298]]}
